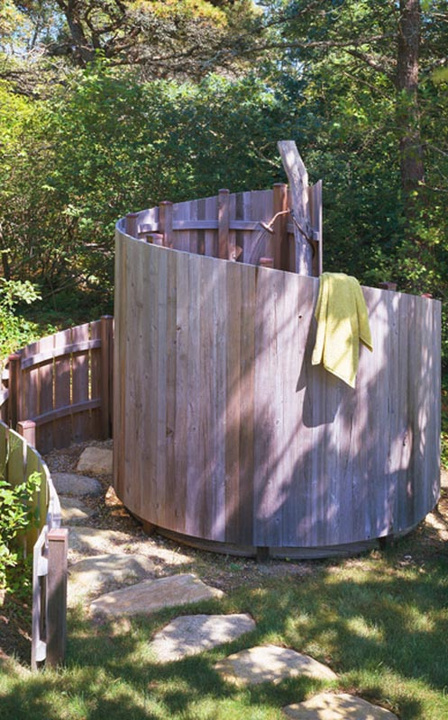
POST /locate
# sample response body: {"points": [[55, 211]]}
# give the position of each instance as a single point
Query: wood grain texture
{"points": [[62, 387], [229, 434]]}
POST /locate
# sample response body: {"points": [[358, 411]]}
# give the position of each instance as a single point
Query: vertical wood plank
{"points": [[223, 224], [281, 252], [62, 428], [15, 405], [44, 433], [106, 329], [95, 379], [81, 424], [166, 222], [30, 383], [315, 201], [234, 498], [247, 519], [120, 369], [181, 426]]}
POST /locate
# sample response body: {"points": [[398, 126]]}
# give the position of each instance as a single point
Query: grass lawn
{"points": [[380, 621]]}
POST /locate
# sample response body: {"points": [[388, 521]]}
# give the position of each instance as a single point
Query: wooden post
{"points": [[132, 224], [298, 182], [223, 224], [14, 385], [40, 567], [315, 198], [27, 429], [56, 616], [280, 237], [166, 222], [106, 329]]}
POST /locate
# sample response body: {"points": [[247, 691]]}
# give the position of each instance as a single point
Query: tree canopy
{"points": [[112, 105]]}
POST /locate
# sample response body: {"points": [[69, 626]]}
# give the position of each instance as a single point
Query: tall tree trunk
{"points": [[408, 115]]}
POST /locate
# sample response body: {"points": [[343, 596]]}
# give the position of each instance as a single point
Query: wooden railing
{"points": [[254, 227], [60, 388], [55, 391]]}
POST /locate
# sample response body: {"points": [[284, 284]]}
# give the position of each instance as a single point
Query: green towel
{"points": [[342, 322]]}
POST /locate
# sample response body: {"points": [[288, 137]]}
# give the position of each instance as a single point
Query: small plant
{"points": [[16, 516]]}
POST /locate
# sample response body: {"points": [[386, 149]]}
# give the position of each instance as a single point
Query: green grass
{"points": [[380, 621]]}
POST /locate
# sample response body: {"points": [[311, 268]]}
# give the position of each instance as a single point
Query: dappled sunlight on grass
{"points": [[379, 621]]}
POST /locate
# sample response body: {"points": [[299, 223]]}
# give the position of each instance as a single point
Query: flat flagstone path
{"points": [[327, 706], [192, 634], [95, 460], [73, 510], [270, 663], [77, 485], [101, 573], [152, 595]]}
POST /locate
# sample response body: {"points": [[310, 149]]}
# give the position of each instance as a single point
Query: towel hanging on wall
{"points": [[342, 322]]}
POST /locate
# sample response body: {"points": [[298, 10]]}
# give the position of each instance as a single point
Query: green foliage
{"points": [[16, 516], [444, 444], [107, 144], [15, 330]]}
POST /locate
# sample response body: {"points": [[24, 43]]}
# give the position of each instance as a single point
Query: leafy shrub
{"points": [[16, 516]]}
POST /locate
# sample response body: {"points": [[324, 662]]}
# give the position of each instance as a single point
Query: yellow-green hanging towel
{"points": [[342, 322]]}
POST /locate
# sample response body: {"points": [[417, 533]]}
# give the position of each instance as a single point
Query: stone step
{"points": [[102, 573], [151, 595], [75, 485], [327, 706], [73, 510], [95, 460], [270, 663], [192, 634], [90, 540]]}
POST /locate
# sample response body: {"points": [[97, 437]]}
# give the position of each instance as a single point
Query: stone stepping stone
{"points": [[192, 634], [77, 485], [98, 574], [152, 595], [337, 707], [90, 540], [95, 460], [73, 510], [270, 663]]}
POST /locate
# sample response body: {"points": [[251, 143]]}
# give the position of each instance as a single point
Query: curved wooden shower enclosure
{"points": [[225, 435]]}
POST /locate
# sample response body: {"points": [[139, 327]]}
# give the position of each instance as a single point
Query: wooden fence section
{"points": [[244, 227], [60, 387], [224, 431], [47, 542]]}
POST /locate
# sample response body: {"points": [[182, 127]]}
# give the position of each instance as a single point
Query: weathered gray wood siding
{"points": [[223, 430]]}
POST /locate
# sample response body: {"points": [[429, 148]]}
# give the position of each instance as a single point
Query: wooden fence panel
{"points": [[227, 432]]}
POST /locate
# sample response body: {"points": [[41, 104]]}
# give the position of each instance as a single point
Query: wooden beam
{"points": [[298, 182]]}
